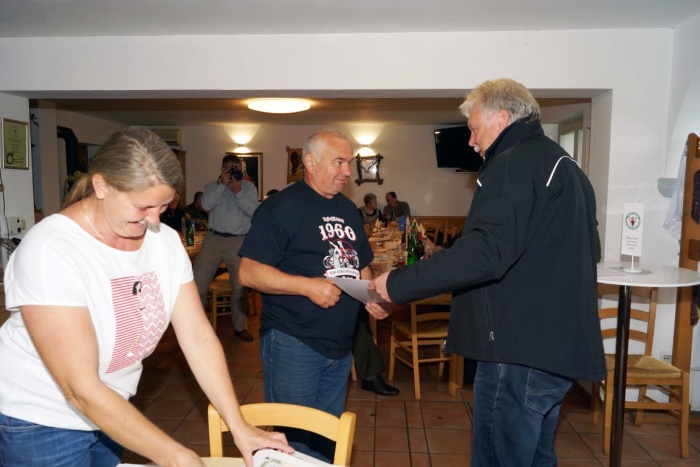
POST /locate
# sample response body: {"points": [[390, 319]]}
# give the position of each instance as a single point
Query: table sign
{"points": [[632, 231]]}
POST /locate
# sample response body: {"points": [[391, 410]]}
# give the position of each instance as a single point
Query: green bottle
{"points": [[412, 246], [189, 235]]}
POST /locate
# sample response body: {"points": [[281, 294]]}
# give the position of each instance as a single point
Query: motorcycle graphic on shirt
{"points": [[342, 259]]}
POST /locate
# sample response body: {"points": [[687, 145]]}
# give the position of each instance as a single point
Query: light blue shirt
{"points": [[230, 212]]}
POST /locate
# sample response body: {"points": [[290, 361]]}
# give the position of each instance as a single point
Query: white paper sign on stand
{"points": [[632, 224]]}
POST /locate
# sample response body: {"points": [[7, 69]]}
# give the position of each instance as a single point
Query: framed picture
{"points": [[15, 144], [295, 167], [252, 168], [368, 169]]}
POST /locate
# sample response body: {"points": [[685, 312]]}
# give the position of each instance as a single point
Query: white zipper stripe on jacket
{"points": [[555, 168]]}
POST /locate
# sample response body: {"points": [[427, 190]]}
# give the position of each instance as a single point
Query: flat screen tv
{"points": [[452, 149]]}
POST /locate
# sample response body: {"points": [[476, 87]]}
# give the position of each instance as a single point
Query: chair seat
{"points": [[642, 366], [427, 329]]}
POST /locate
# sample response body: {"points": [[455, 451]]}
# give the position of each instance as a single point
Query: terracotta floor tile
{"points": [[416, 440], [414, 417], [664, 447], [450, 460], [420, 460], [631, 449], [447, 419], [364, 439], [391, 439], [393, 417], [183, 391], [362, 459], [169, 409], [581, 463], [571, 445], [449, 441], [192, 432], [392, 459], [366, 416]]}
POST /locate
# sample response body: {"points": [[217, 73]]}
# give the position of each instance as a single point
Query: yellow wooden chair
{"points": [[424, 329], [219, 298], [341, 430], [643, 371]]}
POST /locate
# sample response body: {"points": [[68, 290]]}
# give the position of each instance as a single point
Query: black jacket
{"points": [[523, 273]]}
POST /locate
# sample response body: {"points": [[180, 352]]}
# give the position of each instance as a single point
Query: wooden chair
{"points": [[219, 298], [341, 430], [650, 375], [431, 231], [448, 234], [425, 329]]}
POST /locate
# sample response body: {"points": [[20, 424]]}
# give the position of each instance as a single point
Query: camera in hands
{"points": [[236, 173]]}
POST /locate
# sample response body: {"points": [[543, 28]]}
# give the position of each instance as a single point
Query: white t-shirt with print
{"points": [[130, 297]]}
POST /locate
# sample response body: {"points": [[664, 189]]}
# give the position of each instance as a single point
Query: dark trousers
{"points": [[368, 362]]}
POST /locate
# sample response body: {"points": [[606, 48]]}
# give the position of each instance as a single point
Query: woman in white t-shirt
{"points": [[92, 290]]}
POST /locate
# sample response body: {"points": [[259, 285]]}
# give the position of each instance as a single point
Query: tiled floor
{"points": [[391, 431]]}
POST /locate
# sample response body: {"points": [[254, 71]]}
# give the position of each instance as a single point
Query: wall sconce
{"points": [[365, 151], [241, 149]]}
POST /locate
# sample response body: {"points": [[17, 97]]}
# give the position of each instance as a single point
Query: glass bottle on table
{"points": [[412, 246], [189, 235]]}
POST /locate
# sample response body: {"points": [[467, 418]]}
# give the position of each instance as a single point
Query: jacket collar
{"points": [[512, 135]]}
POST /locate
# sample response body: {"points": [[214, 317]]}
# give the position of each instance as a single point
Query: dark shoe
{"points": [[378, 386], [243, 335]]}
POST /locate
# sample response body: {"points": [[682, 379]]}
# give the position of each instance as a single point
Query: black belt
{"points": [[224, 234]]}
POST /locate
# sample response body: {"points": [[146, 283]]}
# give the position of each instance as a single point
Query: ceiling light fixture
{"points": [[279, 106]]}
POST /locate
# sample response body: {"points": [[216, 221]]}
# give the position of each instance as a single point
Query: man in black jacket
{"points": [[523, 277]]}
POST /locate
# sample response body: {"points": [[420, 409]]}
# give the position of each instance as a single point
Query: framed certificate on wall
{"points": [[15, 144]]}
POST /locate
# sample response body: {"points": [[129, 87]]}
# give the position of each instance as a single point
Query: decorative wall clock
{"points": [[368, 169]]}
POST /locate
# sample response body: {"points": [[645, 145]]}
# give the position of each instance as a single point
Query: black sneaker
{"points": [[243, 335]]}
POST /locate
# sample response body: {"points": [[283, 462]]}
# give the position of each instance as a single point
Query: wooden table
{"points": [[649, 276]]}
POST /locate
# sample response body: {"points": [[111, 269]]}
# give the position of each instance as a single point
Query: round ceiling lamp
{"points": [[279, 106]]}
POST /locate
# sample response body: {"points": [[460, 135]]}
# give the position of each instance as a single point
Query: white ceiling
{"points": [[58, 18], [50, 18]]}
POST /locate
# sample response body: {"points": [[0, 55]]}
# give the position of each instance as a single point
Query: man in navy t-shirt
{"points": [[304, 235]]}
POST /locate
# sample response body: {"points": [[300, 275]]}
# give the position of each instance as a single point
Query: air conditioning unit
{"points": [[172, 136]]}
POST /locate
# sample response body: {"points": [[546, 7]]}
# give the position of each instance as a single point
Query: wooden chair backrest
{"points": [[648, 295], [341, 430]]}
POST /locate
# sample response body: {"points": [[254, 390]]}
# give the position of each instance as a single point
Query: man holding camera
{"points": [[231, 202]]}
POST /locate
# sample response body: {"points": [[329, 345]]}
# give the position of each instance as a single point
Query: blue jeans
{"points": [[294, 373], [515, 414], [31, 445]]}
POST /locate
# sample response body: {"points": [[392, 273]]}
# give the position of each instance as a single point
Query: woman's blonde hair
{"points": [[131, 160]]}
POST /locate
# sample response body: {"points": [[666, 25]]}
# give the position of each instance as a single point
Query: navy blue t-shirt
{"points": [[302, 233]]}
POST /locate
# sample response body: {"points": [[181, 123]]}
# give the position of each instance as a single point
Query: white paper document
{"points": [[272, 458], [262, 458], [357, 289]]}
